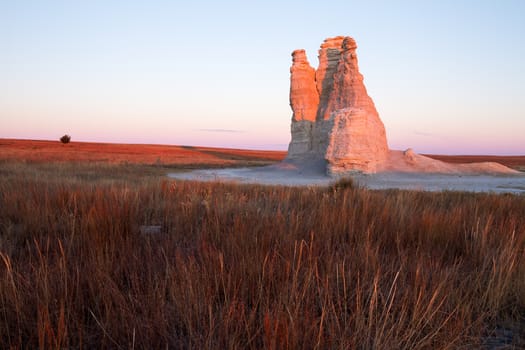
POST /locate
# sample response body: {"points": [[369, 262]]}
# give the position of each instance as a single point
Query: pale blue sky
{"points": [[446, 76]]}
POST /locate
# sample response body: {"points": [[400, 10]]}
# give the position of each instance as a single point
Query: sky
{"points": [[446, 76]]}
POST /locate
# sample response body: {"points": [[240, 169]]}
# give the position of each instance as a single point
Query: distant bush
{"points": [[65, 139]]}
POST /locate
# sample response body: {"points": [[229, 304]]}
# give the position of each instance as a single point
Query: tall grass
{"points": [[240, 266]]}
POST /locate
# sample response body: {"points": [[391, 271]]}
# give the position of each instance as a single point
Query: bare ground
{"points": [[289, 175]]}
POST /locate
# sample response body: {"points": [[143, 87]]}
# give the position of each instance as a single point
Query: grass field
{"points": [[238, 266], [169, 156]]}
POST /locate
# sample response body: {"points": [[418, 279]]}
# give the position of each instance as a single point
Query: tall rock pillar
{"points": [[304, 101]]}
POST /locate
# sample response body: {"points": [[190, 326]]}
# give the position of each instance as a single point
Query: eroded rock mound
{"points": [[410, 161]]}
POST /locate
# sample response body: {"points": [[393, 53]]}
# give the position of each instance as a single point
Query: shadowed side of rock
{"points": [[329, 56]]}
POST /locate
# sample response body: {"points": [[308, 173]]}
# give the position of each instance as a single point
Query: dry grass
{"points": [[176, 156], [251, 266]]}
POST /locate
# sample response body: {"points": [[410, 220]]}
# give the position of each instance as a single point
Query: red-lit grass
{"points": [[178, 156], [240, 266], [55, 151]]}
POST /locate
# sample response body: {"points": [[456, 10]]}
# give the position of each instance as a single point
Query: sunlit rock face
{"points": [[333, 117], [304, 101], [304, 98]]}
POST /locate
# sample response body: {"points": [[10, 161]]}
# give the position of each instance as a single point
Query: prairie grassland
{"points": [[114, 153], [239, 266]]}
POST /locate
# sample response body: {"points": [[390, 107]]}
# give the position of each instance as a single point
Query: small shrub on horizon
{"points": [[65, 139]]}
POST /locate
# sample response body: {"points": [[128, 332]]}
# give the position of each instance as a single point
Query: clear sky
{"points": [[446, 76]]}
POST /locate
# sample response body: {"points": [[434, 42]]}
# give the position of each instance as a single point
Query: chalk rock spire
{"points": [[358, 139], [304, 101], [304, 98]]}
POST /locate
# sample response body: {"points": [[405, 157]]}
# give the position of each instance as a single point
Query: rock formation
{"points": [[329, 56], [303, 91], [304, 100], [345, 129], [335, 123]]}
